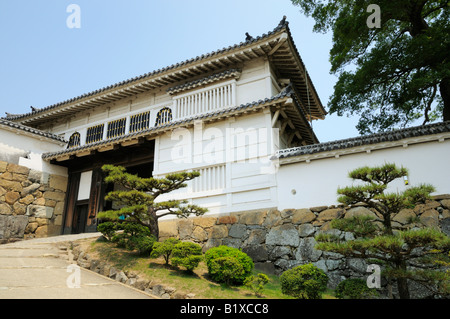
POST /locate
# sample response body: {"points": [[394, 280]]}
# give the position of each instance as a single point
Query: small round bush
{"points": [[354, 288], [187, 254], [216, 272], [304, 282], [108, 229], [227, 269], [164, 249]]}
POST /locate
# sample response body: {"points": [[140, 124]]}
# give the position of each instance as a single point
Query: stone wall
{"points": [[31, 203], [277, 241]]}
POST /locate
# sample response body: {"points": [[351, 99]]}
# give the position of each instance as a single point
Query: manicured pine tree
{"points": [[377, 242], [138, 200]]}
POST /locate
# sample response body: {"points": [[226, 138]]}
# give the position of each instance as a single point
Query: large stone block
{"points": [[284, 235], [253, 218], [168, 229], [14, 168], [330, 214], [40, 211], [11, 185], [219, 232], [306, 251], [57, 196], [12, 226], [302, 216], [58, 182]]}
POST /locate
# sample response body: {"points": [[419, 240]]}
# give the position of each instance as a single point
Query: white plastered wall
{"points": [[303, 184]]}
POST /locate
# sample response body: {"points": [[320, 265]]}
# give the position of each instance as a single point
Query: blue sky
{"points": [[43, 62]]}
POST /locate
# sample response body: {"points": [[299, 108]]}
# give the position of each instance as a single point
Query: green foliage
{"points": [[398, 70], [164, 248], [304, 282], [187, 254], [354, 288], [242, 265], [360, 226], [256, 283], [108, 229], [395, 250], [134, 237], [138, 199], [227, 269]]}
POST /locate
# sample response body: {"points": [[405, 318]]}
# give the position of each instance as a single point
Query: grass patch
{"points": [[197, 282]]}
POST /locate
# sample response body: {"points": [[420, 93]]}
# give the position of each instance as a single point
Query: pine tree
{"points": [[397, 250], [138, 201]]}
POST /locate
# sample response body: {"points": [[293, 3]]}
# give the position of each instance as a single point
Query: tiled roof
{"points": [[286, 93], [394, 135], [232, 73], [282, 26], [31, 130]]}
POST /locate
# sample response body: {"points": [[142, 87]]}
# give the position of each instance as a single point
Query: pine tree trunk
{"points": [[402, 282], [153, 223]]}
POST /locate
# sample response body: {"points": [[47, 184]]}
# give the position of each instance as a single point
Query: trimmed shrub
{"points": [[227, 269], [354, 288], [256, 283], [304, 282], [187, 254], [135, 237], [219, 273], [108, 229], [164, 248]]}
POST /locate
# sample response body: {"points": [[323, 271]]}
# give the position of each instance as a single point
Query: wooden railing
{"points": [[204, 101]]}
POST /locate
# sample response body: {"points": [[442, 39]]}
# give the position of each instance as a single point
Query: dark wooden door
{"points": [[80, 218]]}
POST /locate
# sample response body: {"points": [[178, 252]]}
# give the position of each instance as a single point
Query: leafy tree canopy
{"points": [[401, 70]]}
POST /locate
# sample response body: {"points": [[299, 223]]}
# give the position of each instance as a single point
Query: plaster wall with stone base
{"points": [[31, 202], [279, 240]]}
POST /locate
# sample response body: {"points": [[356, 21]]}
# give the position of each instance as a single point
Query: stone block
{"points": [[256, 252], [430, 218], [306, 251], [185, 228], [3, 166], [231, 219], [219, 231], [199, 234], [237, 231], [14, 168], [284, 235], [405, 216], [5, 209], [204, 222], [253, 218], [58, 182], [256, 237], [305, 230], [57, 196], [302, 216], [446, 203], [330, 214], [30, 189], [359, 211], [168, 229], [40, 211], [11, 185], [11, 197], [19, 209]]}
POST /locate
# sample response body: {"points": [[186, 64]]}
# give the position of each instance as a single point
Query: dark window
{"points": [[74, 140], [94, 133], [164, 116], [116, 128], [139, 122]]}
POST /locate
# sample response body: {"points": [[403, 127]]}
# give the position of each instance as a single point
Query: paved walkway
{"points": [[36, 269]]}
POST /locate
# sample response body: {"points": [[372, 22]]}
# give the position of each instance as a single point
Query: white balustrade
{"points": [[206, 100]]}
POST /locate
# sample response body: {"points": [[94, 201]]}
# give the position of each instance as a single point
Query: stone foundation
{"points": [[278, 241], [31, 203]]}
